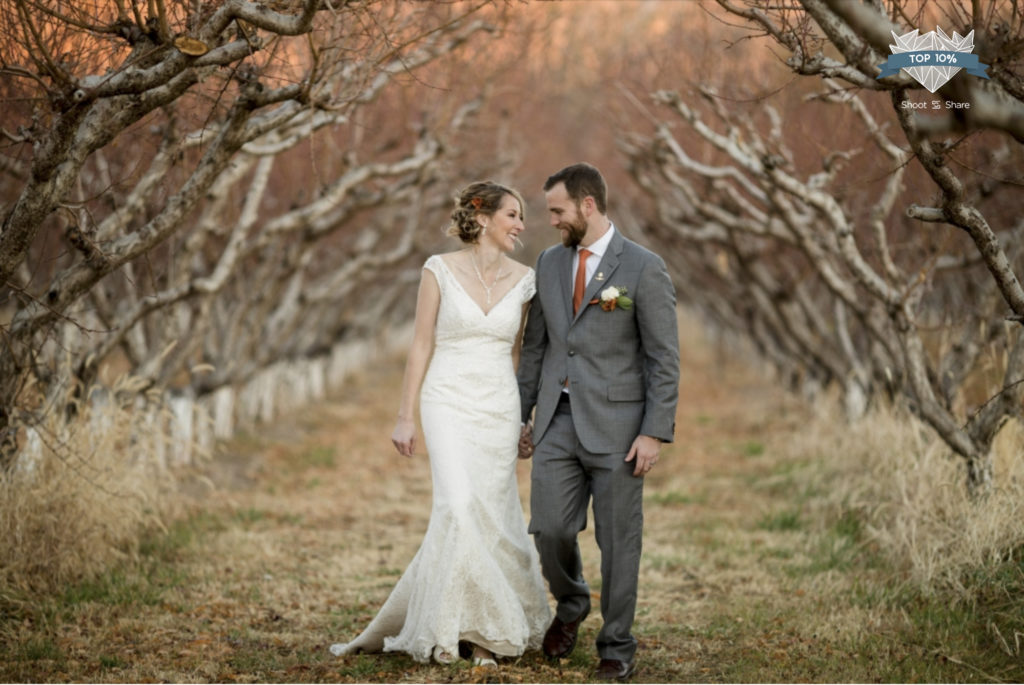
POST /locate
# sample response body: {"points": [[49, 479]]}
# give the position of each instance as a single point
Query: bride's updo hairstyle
{"points": [[482, 198]]}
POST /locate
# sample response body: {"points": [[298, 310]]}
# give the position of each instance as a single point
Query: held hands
{"points": [[404, 436], [526, 441], [645, 451]]}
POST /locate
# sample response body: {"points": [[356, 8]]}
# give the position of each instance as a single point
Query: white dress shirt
{"points": [[597, 251]]}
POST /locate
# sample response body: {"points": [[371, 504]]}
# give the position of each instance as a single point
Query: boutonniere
{"points": [[612, 297]]}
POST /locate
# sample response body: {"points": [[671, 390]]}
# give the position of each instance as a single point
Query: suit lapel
{"points": [[565, 280], [605, 267]]}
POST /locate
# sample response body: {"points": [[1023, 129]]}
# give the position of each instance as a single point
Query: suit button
{"points": [[572, 353]]}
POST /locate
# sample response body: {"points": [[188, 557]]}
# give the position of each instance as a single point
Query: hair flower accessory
{"points": [[612, 297], [477, 202]]}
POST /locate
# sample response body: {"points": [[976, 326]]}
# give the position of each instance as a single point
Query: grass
{"points": [[40, 648], [320, 456], [120, 587], [107, 662], [672, 498], [787, 567], [81, 502], [753, 448], [780, 521]]}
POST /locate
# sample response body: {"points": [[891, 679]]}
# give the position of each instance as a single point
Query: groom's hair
{"points": [[580, 181]]}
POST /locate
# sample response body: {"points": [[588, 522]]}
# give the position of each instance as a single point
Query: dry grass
{"points": [[903, 484], [79, 505], [764, 561]]}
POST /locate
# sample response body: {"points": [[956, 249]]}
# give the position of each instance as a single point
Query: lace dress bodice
{"points": [[471, 367]]}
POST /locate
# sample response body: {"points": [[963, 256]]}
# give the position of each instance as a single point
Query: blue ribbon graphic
{"points": [[933, 58]]}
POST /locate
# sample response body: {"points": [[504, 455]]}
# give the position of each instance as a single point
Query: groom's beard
{"points": [[574, 231]]}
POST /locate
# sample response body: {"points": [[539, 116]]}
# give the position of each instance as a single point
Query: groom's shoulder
{"points": [[636, 251], [549, 253]]}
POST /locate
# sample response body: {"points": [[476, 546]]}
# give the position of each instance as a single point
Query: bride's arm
{"points": [[518, 346], [427, 303]]}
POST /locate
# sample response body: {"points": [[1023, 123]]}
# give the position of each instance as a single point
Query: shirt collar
{"points": [[600, 246]]}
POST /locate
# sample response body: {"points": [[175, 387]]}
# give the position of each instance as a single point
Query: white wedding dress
{"points": [[476, 576]]}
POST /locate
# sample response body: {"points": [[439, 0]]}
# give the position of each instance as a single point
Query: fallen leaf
{"points": [[191, 46]]}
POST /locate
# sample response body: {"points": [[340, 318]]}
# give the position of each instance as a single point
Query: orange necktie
{"points": [[581, 278]]}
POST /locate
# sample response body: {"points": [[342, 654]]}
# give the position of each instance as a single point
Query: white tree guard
{"points": [[182, 428], [223, 412]]}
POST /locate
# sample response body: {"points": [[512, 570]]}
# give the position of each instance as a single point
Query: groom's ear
{"points": [[589, 206]]}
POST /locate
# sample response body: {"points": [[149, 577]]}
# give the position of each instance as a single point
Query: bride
{"points": [[476, 578]]}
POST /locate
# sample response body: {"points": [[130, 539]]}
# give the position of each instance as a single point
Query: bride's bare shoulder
{"points": [[453, 260], [518, 269]]}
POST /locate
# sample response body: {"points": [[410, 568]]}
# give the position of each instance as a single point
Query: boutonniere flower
{"points": [[612, 297]]}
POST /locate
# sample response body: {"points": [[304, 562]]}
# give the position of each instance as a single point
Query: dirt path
{"points": [[336, 515], [305, 526]]}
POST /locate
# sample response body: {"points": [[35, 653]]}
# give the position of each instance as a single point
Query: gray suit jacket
{"points": [[622, 366]]}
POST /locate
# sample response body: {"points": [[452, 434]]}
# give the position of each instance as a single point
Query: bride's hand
{"points": [[404, 437], [526, 441]]}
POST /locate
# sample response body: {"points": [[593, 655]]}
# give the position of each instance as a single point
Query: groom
{"points": [[600, 364]]}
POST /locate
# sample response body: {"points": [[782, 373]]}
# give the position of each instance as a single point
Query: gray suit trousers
{"points": [[565, 477]]}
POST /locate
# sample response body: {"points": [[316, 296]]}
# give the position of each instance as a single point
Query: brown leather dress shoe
{"points": [[613, 669], [560, 639]]}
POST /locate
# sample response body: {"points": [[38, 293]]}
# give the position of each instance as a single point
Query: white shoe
{"points": [[483, 658], [338, 648]]}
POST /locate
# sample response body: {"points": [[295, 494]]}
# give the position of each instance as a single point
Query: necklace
{"points": [[479, 277]]}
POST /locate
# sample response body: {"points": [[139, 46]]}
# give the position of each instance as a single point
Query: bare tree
{"points": [[139, 218], [849, 287]]}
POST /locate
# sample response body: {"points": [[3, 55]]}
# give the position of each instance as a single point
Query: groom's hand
{"points": [[526, 441], [645, 451]]}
